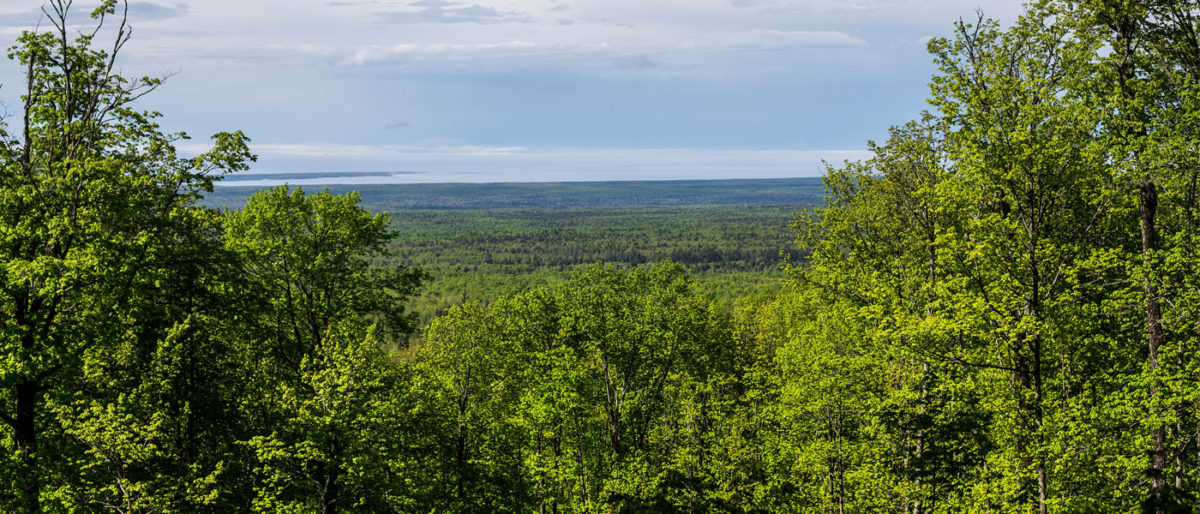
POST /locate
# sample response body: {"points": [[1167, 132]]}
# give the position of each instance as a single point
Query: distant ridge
{"points": [[801, 192], [244, 177]]}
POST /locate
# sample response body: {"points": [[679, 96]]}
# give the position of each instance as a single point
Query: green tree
{"points": [[1023, 139], [982, 248], [1150, 81], [341, 445], [323, 404], [313, 260], [92, 195], [605, 393]]}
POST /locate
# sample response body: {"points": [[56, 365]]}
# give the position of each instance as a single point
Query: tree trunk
{"points": [[1155, 337], [1030, 421], [920, 449], [333, 488], [25, 435], [460, 461]]}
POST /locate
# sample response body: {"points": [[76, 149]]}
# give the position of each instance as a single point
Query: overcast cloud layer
{"points": [[536, 89]]}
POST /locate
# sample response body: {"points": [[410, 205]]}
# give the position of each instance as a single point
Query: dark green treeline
{"points": [[997, 312]]}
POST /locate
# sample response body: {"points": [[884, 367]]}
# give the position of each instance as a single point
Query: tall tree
{"points": [[1150, 80], [321, 384], [89, 187], [313, 260], [1023, 139]]}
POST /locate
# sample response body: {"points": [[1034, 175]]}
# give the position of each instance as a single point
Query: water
{"points": [[406, 166]]}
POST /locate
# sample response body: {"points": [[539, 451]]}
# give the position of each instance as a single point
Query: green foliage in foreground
{"points": [[997, 312]]}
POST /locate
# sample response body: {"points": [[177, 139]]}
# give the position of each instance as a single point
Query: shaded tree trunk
{"points": [[1155, 337], [25, 435], [332, 490]]}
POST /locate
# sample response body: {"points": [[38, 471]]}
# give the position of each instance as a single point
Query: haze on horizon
{"points": [[520, 90]]}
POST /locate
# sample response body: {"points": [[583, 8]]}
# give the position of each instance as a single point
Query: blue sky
{"points": [[536, 89]]}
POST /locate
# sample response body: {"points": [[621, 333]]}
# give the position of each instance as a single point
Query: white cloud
{"points": [[627, 53], [374, 53], [696, 72], [443, 11], [342, 151], [826, 6]]}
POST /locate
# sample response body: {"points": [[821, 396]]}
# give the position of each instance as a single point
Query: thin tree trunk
{"points": [[460, 462], [333, 486], [25, 435], [920, 449], [1155, 337], [1179, 454], [1031, 421], [25, 416]]}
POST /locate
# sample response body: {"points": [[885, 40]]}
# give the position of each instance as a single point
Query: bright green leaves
{"points": [[1006, 257], [310, 258], [337, 444], [327, 420], [605, 393], [967, 331], [97, 224]]}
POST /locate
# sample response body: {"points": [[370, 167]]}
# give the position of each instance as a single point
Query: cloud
{"points": [[145, 11], [818, 6], [443, 11], [20, 19], [397, 125], [357, 3], [375, 53], [138, 11], [343, 151], [624, 55]]}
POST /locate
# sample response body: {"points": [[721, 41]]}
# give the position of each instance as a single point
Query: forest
{"points": [[803, 191], [485, 241], [998, 311]]}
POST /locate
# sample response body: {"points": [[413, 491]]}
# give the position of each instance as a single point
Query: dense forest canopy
{"points": [[998, 311]]}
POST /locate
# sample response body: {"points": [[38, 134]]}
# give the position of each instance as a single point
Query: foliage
{"points": [[310, 258], [995, 312], [601, 394], [484, 255], [96, 210]]}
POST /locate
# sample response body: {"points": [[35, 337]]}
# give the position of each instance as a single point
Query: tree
{"points": [[978, 245], [1150, 79], [607, 393], [1023, 139], [341, 445], [310, 259], [91, 191], [323, 404]]}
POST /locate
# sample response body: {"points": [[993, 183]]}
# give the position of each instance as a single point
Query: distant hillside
{"points": [[558, 195]]}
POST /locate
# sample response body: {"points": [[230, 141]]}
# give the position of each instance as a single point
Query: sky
{"points": [[533, 90]]}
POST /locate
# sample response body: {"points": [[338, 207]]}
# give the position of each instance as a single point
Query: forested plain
{"points": [[998, 311], [481, 246]]}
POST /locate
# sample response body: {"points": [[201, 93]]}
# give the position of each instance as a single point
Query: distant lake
{"points": [[484, 177], [522, 166]]}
